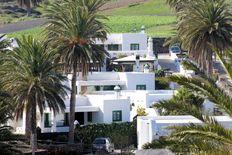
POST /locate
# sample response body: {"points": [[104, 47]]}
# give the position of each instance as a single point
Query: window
{"points": [[66, 119], [108, 88], [90, 118], [117, 116], [134, 47], [47, 120], [140, 87], [113, 47]]}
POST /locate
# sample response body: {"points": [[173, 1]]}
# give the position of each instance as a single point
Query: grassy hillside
{"points": [[155, 15], [152, 7]]}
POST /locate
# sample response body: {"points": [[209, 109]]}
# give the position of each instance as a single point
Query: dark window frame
{"points": [[47, 121], [117, 115], [90, 116], [134, 47], [113, 47], [141, 87]]}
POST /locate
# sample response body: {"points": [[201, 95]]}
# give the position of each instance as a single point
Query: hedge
{"points": [[121, 134]]}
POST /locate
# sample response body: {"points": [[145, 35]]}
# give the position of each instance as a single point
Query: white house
{"points": [[102, 103], [150, 128], [125, 44]]}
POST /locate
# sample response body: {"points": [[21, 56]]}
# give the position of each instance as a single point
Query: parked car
{"points": [[173, 51], [104, 144]]}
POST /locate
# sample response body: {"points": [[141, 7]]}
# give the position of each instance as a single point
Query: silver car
{"points": [[104, 144]]}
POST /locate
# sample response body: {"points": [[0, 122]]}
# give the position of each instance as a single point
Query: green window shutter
{"points": [[47, 120], [117, 116], [90, 117], [141, 87], [66, 119]]}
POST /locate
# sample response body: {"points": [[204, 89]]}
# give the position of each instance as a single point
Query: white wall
{"points": [[133, 38], [136, 78], [112, 39], [115, 105]]}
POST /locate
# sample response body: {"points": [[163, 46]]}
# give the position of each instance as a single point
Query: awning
{"points": [[84, 109], [100, 82]]}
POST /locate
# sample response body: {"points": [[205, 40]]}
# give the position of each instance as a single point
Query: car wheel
{"points": [[112, 150], [93, 152]]}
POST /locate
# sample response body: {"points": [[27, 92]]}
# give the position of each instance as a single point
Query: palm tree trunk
{"points": [[33, 129], [72, 103], [28, 6], [28, 124]]}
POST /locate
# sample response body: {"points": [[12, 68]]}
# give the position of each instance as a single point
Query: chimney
{"points": [[143, 29], [150, 48]]}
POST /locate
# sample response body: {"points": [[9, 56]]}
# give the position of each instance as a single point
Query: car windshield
{"points": [[100, 141], [177, 49]]}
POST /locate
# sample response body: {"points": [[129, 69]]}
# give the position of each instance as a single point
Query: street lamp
{"points": [[76, 123]]}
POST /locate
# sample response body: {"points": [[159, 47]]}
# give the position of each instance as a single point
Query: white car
{"points": [[173, 51]]}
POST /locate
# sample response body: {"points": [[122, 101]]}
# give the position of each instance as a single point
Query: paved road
{"points": [[21, 25], [166, 62]]}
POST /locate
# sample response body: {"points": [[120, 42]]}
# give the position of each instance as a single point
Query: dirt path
{"points": [[8, 28]]}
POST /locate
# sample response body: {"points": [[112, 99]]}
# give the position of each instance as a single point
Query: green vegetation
{"points": [[36, 32], [155, 25], [119, 24], [152, 7], [155, 15], [121, 134]]}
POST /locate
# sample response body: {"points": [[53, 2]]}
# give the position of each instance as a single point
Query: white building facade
{"points": [[125, 44], [151, 128]]}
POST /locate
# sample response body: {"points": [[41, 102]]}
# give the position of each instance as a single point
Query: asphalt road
{"points": [[21, 25], [166, 62]]}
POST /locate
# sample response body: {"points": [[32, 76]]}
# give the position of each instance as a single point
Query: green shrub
{"points": [[161, 84]]}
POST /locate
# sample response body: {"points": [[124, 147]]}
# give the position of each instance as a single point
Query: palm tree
{"points": [[72, 28], [184, 102], [177, 5], [201, 23], [28, 72]]}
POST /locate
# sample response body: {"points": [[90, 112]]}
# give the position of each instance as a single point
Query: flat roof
{"points": [[132, 58], [101, 82]]}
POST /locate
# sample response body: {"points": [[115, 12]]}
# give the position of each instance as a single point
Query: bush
{"points": [[161, 84]]}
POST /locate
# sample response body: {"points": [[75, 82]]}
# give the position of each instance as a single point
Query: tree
{"points": [[201, 23], [72, 28], [28, 72], [28, 4], [185, 102], [177, 4]]}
